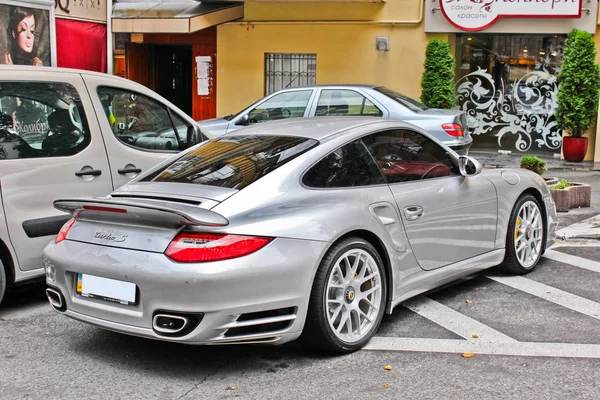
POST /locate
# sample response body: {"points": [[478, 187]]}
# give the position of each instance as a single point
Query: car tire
{"points": [[348, 298], [524, 237], [2, 282]]}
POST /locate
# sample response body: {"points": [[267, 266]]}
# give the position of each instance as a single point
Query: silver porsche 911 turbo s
{"points": [[312, 227]]}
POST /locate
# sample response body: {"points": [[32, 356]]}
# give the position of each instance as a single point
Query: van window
{"points": [[41, 119], [140, 121]]}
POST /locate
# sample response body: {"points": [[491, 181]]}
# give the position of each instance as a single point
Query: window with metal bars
{"points": [[287, 70]]}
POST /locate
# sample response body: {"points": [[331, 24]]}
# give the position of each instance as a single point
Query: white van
{"points": [[72, 133]]}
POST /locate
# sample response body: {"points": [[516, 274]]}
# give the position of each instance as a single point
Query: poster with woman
{"points": [[25, 33]]}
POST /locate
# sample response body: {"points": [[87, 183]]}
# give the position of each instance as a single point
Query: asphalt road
{"points": [[538, 337]]}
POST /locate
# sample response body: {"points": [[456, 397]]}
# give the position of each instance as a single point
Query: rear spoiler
{"points": [[96, 208]]}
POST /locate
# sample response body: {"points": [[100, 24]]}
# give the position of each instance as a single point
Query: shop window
{"points": [[140, 121], [285, 71], [507, 85], [341, 102], [41, 119]]}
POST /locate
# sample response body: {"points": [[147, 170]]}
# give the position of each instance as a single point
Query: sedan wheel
{"points": [[348, 298], [525, 237]]}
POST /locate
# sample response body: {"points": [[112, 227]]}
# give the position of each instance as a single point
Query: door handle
{"points": [[413, 213], [91, 172], [124, 171]]}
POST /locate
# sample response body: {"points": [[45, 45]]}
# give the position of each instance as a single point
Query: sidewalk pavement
{"points": [[578, 226], [513, 160]]}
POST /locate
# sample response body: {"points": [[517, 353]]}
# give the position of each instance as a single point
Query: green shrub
{"points": [[562, 184], [437, 83], [579, 82], [534, 164]]}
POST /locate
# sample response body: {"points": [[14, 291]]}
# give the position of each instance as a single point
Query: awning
{"points": [[171, 16]]}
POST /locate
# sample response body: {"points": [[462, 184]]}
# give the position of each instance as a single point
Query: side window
{"points": [[347, 166], [284, 105], [180, 126], [404, 155], [336, 102], [138, 120], [41, 119]]}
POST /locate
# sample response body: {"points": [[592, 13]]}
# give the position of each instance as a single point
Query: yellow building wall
{"points": [[342, 35]]}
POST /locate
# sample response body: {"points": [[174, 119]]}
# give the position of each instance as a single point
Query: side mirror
{"points": [[245, 120], [469, 166], [194, 136]]}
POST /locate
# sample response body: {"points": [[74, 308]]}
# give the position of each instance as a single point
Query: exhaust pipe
{"points": [[55, 298], [169, 324]]}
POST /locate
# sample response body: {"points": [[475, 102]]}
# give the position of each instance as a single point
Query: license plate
{"points": [[106, 289]]}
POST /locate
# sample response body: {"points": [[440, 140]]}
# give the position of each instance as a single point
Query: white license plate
{"points": [[106, 289]]}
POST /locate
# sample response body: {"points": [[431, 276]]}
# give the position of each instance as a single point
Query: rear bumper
{"points": [[277, 277], [461, 148]]}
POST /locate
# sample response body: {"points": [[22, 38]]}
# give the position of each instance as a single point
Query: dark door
{"points": [[172, 75]]}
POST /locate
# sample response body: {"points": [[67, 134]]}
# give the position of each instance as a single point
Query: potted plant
{"points": [[577, 100], [437, 82], [566, 194]]}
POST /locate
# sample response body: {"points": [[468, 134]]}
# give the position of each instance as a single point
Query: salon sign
{"points": [[81, 10], [474, 15]]}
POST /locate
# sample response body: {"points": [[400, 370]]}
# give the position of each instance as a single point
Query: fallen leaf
{"points": [[575, 241], [469, 302], [388, 367], [232, 388], [386, 385], [474, 336], [468, 355]]}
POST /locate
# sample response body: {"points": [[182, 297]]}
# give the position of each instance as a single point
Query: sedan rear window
{"points": [[233, 162], [406, 101]]}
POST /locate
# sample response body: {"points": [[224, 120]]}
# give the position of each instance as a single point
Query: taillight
{"points": [[453, 129], [202, 247], [62, 234]]}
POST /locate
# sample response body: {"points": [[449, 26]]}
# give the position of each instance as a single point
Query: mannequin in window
{"points": [[62, 134]]}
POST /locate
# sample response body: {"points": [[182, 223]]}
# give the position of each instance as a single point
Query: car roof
{"points": [[17, 68], [334, 85], [318, 128]]}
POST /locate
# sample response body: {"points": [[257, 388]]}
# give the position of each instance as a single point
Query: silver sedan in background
{"points": [[307, 226], [449, 126]]}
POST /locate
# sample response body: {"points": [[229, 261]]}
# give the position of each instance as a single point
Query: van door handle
{"points": [[412, 213], [91, 172], [124, 171]]}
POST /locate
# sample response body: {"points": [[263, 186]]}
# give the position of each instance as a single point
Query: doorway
{"points": [[171, 74]]}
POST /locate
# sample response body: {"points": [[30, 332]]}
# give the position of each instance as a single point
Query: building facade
{"points": [[214, 58]]}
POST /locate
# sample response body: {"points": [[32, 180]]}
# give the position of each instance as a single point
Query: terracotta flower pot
{"points": [[574, 149]]}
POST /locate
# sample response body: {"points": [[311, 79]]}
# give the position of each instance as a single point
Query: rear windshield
{"points": [[406, 101], [233, 162]]}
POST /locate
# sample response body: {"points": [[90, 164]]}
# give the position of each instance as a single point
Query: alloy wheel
{"points": [[353, 295]]}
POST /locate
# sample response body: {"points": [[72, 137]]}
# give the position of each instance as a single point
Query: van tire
{"points": [[2, 281]]}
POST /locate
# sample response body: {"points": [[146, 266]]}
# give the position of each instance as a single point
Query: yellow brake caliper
{"points": [[517, 231]]}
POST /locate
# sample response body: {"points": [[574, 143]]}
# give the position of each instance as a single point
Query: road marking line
{"points": [[576, 261], [528, 349], [454, 321], [557, 296]]}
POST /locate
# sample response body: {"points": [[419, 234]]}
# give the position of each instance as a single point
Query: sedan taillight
{"points": [[62, 234], [453, 129], [203, 247]]}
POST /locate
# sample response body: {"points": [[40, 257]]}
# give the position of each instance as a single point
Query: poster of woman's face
{"points": [[24, 35]]}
